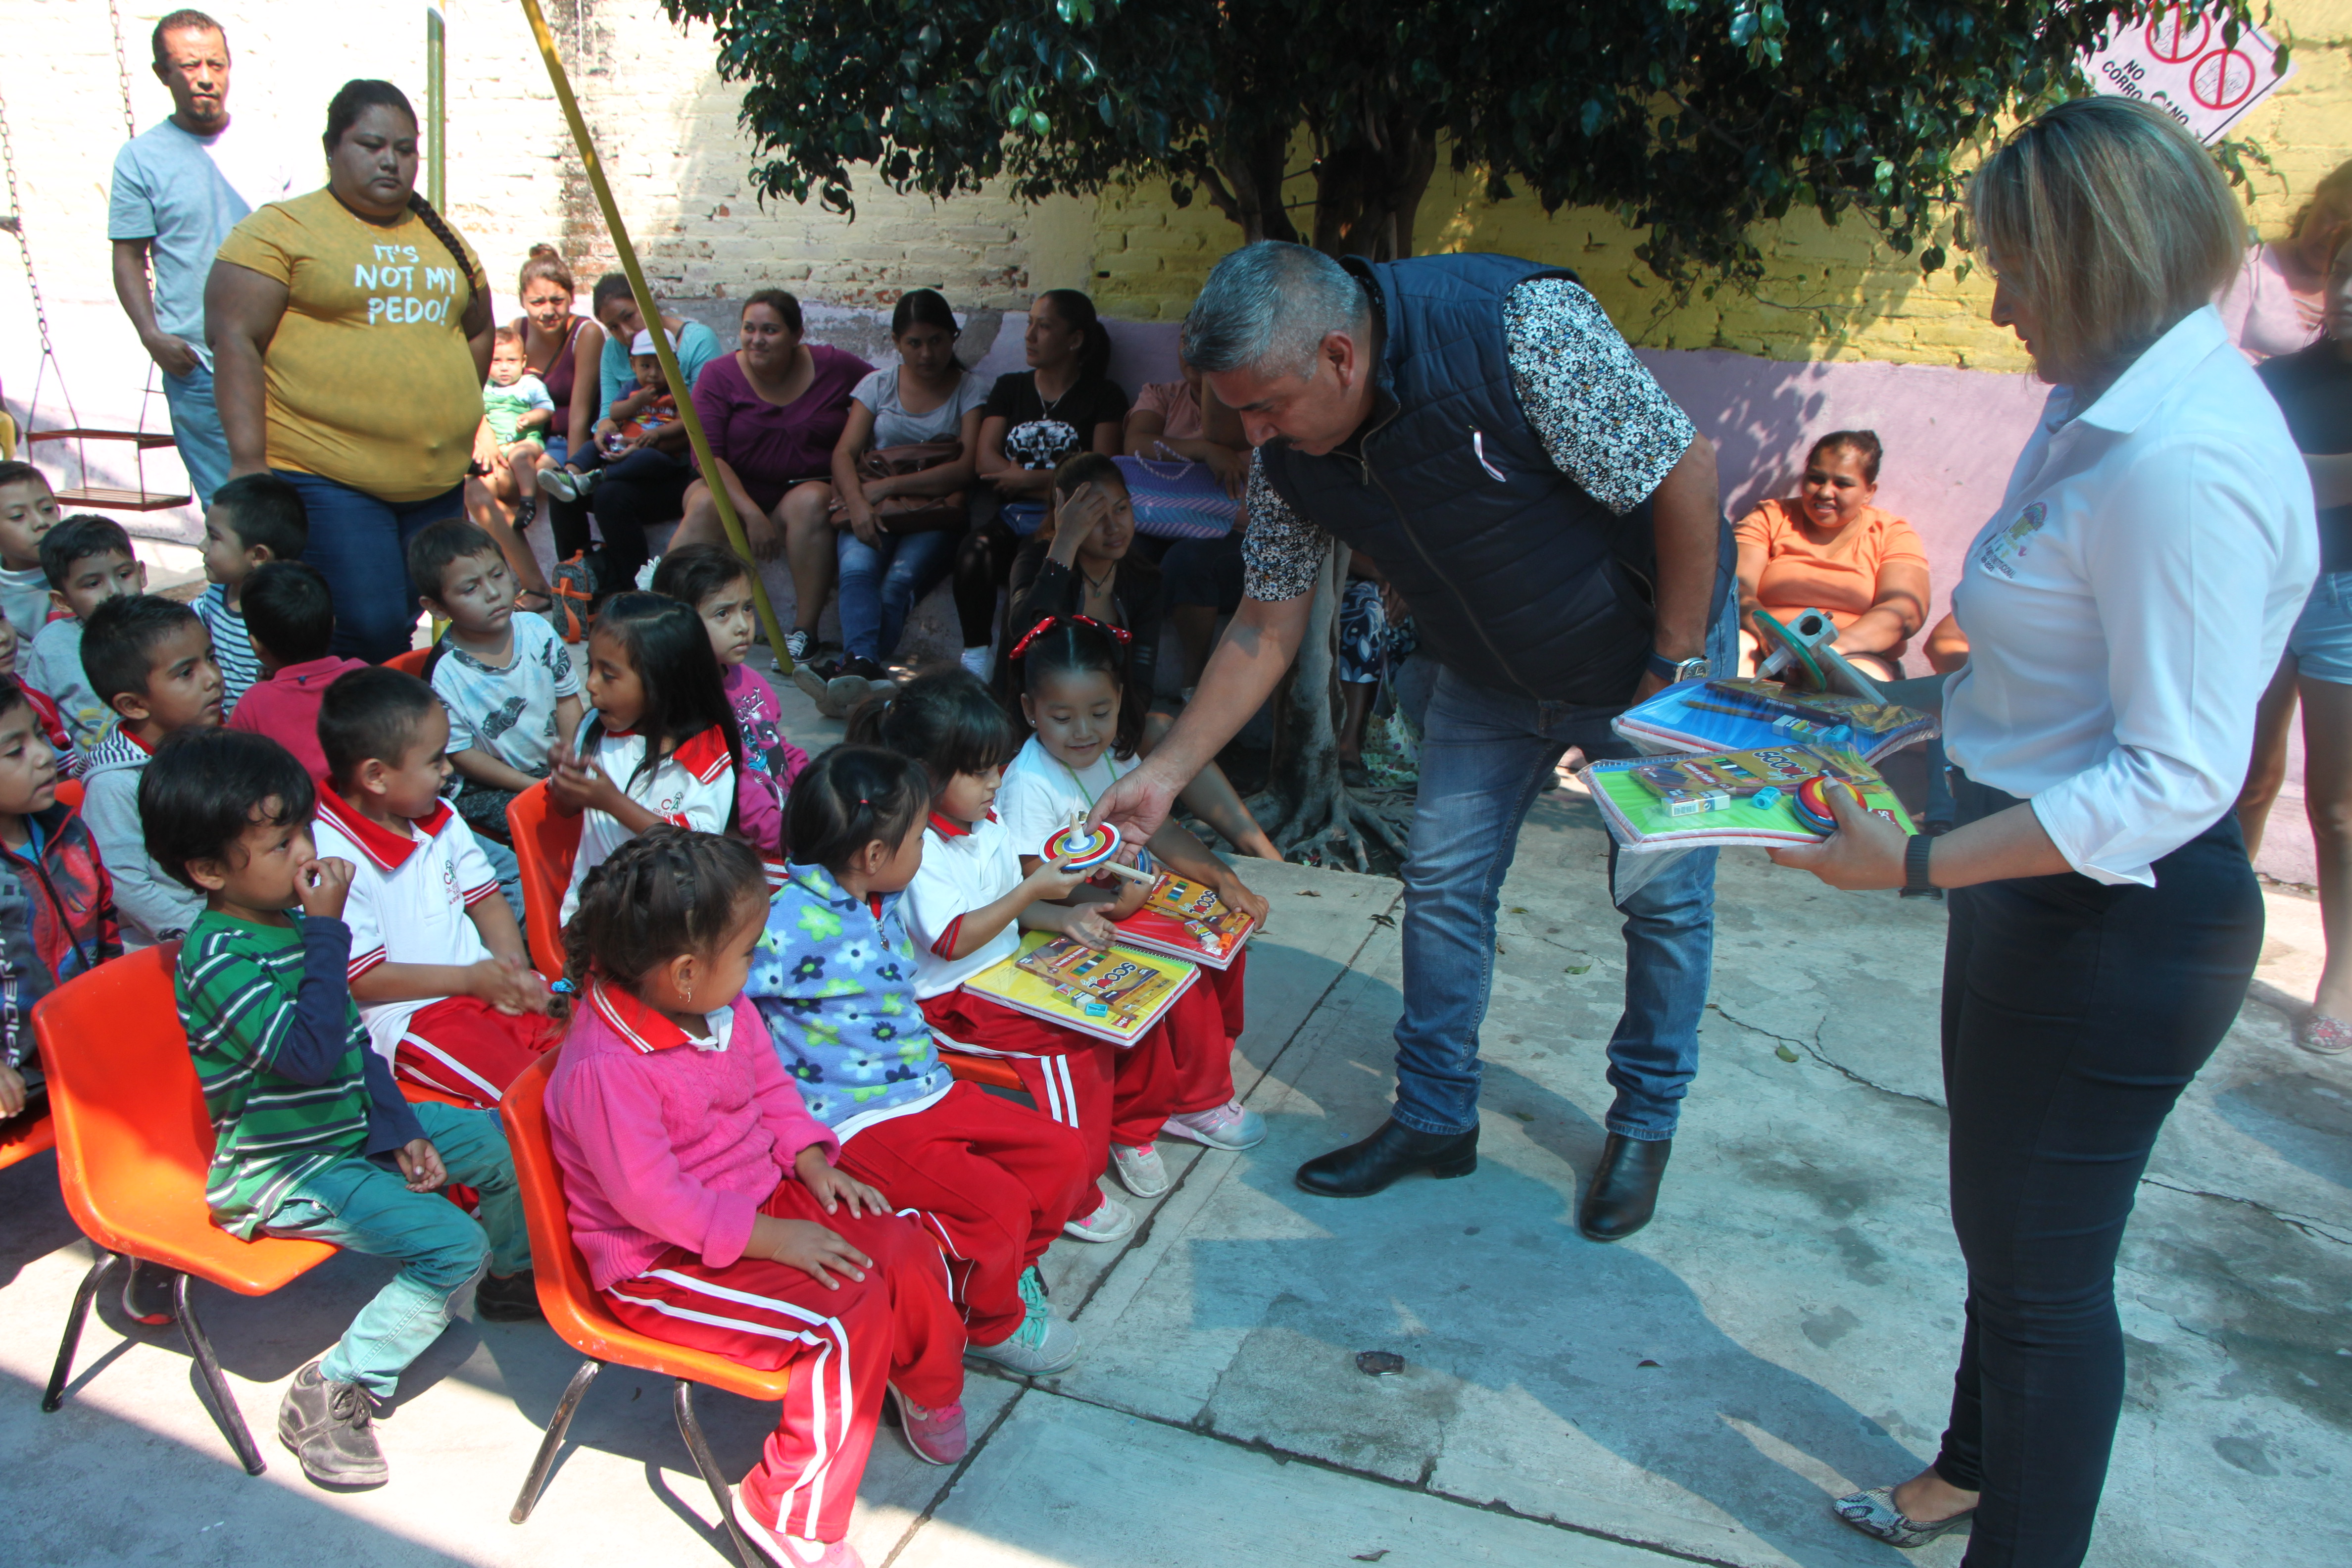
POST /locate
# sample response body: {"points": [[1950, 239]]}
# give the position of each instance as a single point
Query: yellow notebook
{"points": [[1115, 995]]}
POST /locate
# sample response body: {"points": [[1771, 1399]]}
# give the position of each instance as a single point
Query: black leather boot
{"points": [[1624, 1190], [1362, 1169]]}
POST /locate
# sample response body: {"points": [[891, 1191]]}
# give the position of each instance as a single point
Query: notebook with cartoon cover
{"points": [[1186, 920], [1728, 798], [1116, 994]]}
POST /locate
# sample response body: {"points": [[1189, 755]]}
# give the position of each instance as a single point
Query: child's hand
{"points": [[1238, 895], [508, 984], [1054, 881], [1092, 927], [574, 784], [816, 1252], [12, 1091], [421, 1163], [831, 1188], [323, 886]]}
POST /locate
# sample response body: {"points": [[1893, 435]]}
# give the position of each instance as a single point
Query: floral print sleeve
{"points": [[1604, 419], [1282, 552]]}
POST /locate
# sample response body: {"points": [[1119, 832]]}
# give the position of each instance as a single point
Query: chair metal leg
{"points": [[557, 1426], [224, 1410], [75, 1320], [696, 1445]]}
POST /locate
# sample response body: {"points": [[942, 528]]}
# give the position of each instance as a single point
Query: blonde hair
{"points": [[2112, 223]]}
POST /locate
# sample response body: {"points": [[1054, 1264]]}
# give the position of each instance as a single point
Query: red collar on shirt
{"points": [[706, 755], [639, 1024], [387, 849], [949, 828]]}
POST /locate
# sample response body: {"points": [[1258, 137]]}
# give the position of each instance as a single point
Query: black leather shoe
{"points": [[1362, 1169], [1624, 1190]]}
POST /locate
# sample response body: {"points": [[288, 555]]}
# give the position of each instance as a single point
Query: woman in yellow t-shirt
{"points": [[1830, 549], [351, 331]]}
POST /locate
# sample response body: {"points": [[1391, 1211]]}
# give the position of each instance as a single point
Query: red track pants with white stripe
{"points": [[990, 1181], [465, 1047], [895, 1326], [1110, 1093]]}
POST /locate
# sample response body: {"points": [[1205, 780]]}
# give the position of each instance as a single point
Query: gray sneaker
{"points": [[329, 1428], [1042, 1346]]}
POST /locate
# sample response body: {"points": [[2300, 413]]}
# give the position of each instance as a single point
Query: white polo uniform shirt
{"points": [[409, 900], [694, 787], [963, 869]]}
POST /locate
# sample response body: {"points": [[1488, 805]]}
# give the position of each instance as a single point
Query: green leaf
{"points": [[1784, 1052]]}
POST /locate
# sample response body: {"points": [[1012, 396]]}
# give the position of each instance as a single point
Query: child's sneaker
{"points": [[937, 1436], [326, 1425], [792, 1551], [572, 587], [1041, 1346], [799, 644], [1111, 1221], [1032, 1286], [565, 485], [1226, 1126], [508, 1299], [1140, 1171], [976, 660], [147, 1294]]}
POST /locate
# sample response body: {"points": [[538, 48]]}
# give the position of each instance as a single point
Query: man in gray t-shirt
{"points": [[179, 188]]}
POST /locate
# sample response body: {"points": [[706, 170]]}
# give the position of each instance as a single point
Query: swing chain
{"points": [[122, 69], [17, 208]]}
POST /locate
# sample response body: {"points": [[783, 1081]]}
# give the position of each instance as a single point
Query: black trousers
{"points": [[2074, 1014]]}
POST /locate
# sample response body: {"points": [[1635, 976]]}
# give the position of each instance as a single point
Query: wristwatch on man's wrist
{"points": [[1671, 671], [1915, 884]]}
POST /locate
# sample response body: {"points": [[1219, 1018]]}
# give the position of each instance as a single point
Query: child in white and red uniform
{"points": [[963, 908], [438, 968], [704, 1197], [1071, 672], [663, 745], [991, 1180]]}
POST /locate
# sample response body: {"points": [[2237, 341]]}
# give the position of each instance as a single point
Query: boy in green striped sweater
{"points": [[312, 1138]]}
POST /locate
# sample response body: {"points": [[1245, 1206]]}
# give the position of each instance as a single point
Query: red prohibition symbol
{"points": [[2222, 79], [2169, 39]]}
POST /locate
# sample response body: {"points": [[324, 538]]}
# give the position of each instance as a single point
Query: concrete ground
{"points": [[1784, 1332]]}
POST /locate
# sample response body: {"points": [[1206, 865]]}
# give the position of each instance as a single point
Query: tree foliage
{"points": [[1691, 120]]}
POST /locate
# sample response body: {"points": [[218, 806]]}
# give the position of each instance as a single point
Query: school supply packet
{"points": [[1722, 799], [1188, 921], [1722, 715], [1116, 994]]}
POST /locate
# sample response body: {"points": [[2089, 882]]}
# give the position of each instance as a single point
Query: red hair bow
{"points": [[1117, 634]]}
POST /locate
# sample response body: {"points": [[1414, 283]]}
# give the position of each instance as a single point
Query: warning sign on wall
{"points": [[2179, 60]]}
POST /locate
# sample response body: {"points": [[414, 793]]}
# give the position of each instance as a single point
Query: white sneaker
{"points": [[799, 644], [1111, 1221], [975, 659], [1140, 1171], [1042, 1346], [1226, 1126]]}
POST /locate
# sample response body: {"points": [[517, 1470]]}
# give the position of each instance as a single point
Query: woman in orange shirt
{"points": [[1831, 550]]}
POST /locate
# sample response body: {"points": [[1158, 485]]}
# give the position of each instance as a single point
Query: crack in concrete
{"points": [[1813, 1049], [2315, 1230]]}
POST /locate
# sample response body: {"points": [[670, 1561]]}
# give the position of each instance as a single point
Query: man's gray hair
{"points": [[1268, 307]]}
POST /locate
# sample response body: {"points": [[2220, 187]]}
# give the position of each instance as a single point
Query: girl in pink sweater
{"points": [[705, 1199]]}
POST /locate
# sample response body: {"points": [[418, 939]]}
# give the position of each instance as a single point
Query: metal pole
{"points": [[650, 311], [437, 110]]}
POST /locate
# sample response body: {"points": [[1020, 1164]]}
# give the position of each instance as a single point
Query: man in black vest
{"points": [[1475, 425]]}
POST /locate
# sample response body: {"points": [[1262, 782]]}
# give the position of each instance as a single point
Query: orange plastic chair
{"points": [[545, 840], [578, 1314], [133, 1143], [409, 663], [989, 1072], [69, 793]]}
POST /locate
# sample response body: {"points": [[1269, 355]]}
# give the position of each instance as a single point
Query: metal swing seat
{"points": [[110, 498]]}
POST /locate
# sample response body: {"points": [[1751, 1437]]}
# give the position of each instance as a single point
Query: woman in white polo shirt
{"points": [[2124, 609]]}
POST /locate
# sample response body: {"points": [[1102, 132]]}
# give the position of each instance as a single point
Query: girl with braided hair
{"points": [[351, 333], [706, 1201]]}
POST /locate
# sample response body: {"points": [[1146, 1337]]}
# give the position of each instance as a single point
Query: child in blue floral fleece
{"points": [[988, 1180]]}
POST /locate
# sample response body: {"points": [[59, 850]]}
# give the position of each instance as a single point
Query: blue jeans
{"points": [[360, 544], [196, 431], [358, 1204], [882, 583], [1484, 757]]}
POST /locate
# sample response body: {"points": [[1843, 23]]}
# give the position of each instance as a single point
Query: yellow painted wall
{"points": [[1829, 293]]}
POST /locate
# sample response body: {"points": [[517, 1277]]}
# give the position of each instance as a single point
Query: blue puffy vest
{"points": [[1518, 580]]}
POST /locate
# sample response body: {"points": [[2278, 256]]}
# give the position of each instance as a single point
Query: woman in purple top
{"points": [[773, 410]]}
